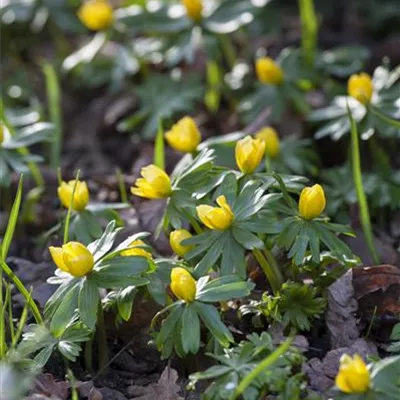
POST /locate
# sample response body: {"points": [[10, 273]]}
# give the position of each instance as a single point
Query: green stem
{"points": [[121, 185], [20, 286], [269, 272], [267, 164], [102, 339], [68, 217], [228, 50], [264, 364], [89, 355], [358, 183], [383, 117], [274, 265], [309, 31]]}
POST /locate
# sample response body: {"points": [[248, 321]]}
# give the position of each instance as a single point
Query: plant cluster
{"points": [[240, 208]]}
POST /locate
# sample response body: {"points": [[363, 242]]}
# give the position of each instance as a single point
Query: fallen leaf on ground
{"points": [[165, 389]]}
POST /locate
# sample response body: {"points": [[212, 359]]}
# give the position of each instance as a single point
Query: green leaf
{"points": [[211, 319], [211, 257], [44, 355], [190, 333], [385, 378], [169, 325], [101, 246], [125, 299], [247, 239], [121, 272], [88, 302], [69, 350], [65, 311], [224, 289], [12, 222], [30, 135]]}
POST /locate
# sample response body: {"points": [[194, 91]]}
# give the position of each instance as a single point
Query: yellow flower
{"points": [[312, 202], [271, 139], [155, 183], [353, 375], [81, 195], [268, 71], [183, 285], [184, 136], [219, 218], [137, 251], [249, 153], [96, 14], [175, 239], [360, 87], [73, 258], [194, 8]]}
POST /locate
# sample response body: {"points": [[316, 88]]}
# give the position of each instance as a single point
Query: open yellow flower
{"points": [[96, 14], [175, 239], [268, 71], [219, 218], [155, 183], [81, 195], [184, 136], [183, 285], [353, 375], [271, 139], [249, 152], [136, 251], [312, 202], [360, 87], [73, 257], [194, 8]]}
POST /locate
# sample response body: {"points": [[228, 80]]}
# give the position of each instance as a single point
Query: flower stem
{"points": [[274, 279], [89, 355], [358, 183], [102, 339]]}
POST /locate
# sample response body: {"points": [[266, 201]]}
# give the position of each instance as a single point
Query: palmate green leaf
{"points": [[88, 302], [121, 272], [168, 328], [230, 16], [17, 161], [163, 98], [56, 298], [223, 289], [125, 299], [157, 22], [247, 239], [211, 319], [385, 378], [29, 135], [190, 332], [66, 310], [101, 246], [233, 258]]}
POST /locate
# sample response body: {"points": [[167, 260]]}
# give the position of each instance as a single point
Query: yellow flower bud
{"points": [[219, 218], [137, 251], [194, 8], [184, 136], [353, 375], [175, 239], [312, 202], [96, 14], [183, 285], [249, 152], [360, 87], [271, 139], [268, 71], [155, 183], [81, 195], [73, 258]]}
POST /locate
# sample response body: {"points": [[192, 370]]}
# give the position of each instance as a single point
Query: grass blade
{"points": [[309, 31], [159, 151], [54, 105]]}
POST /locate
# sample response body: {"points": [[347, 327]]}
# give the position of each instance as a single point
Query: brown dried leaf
{"points": [[165, 389]]}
